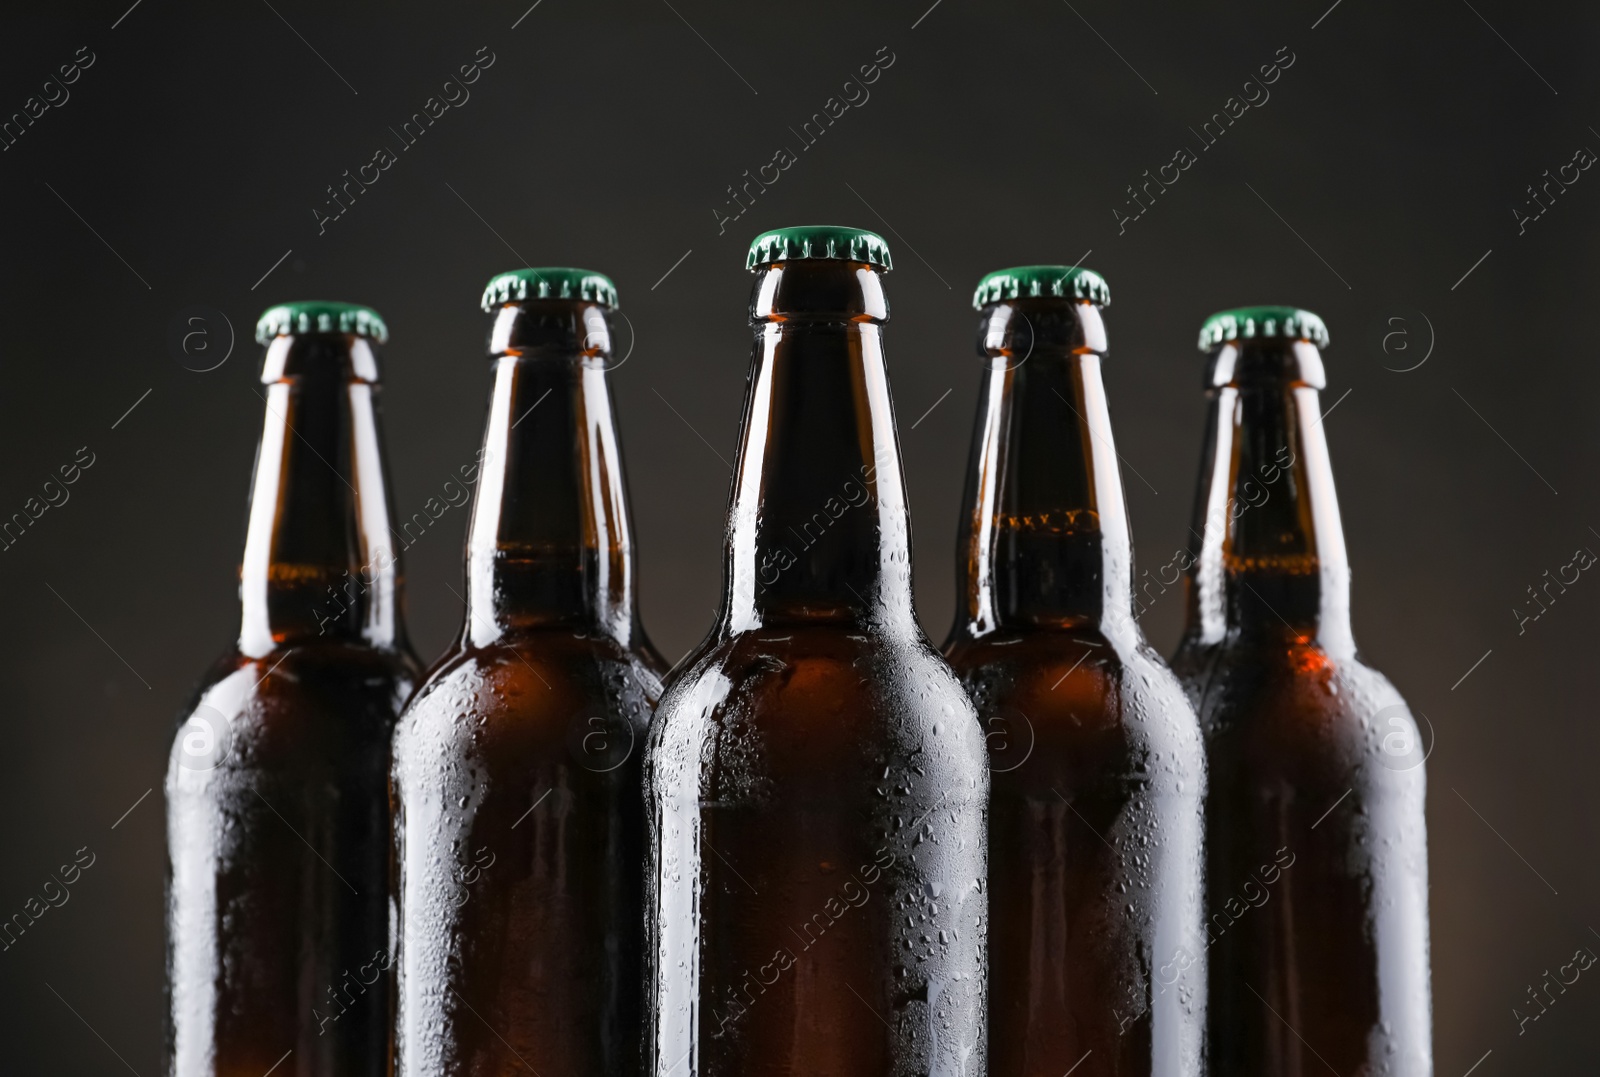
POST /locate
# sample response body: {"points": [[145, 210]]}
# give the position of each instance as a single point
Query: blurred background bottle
{"points": [[817, 780], [519, 812], [1096, 961], [1317, 878], [277, 813]]}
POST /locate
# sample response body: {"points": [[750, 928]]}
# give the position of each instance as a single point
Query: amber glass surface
{"points": [[816, 774], [519, 814], [277, 813], [1096, 960], [1317, 886]]}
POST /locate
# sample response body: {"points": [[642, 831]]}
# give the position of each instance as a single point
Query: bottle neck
{"points": [[1267, 544], [550, 544], [818, 529], [1045, 541], [318, 559]]}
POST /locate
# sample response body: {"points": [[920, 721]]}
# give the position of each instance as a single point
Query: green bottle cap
{"points": [[549, 282], [316, 316], [1036, 282], [819, 241], [1263, 323]]}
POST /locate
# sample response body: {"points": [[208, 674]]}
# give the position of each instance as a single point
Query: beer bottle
{"points": [[816, 777], [519, 809], [1095, 956], [277, 814], [1316, 887]]}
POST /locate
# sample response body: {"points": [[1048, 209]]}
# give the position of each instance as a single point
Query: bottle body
{"points": [[1096, 955], [520, 825], [817, 864], [517, 769], [1317, 881], [277, 814], [1317, 884], [815, 774], [277, 899], [1095, 862]]}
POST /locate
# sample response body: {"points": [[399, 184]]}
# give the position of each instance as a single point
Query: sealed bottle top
{"points": [[1262, 323], [1045, 542], [320, 316], [550, 542], [819, 241], [550, 282], [814, 274], [319, 554], [1262, 346], [1041, 282], [1037, 309], [1269, 551]]}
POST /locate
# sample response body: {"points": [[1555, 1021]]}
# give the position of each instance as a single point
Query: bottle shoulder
{"points": [[1299, 705], [1078, 707], [304, 673], [1055, 670], [803, 697], [813, 661], [303, 708], [521, 670], [1233, 677], [547, 697]]}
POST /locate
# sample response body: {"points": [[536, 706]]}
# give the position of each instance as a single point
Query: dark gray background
{"points": [[1386, 163]]}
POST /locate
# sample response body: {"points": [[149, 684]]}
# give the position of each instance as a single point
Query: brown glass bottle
{"points": [[277, 808], [1317, 881], [519, 812], [1095, 959], [816, 775]]}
